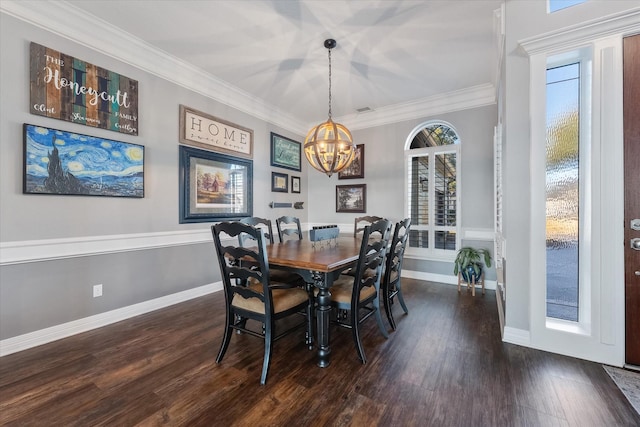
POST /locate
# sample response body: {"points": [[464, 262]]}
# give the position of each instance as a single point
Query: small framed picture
{"points": [[295, 184], [351, 198], [356, 168], [285, 153], [279, 182]]}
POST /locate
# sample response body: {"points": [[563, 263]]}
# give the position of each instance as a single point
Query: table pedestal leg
{"points": [[322, 318]]}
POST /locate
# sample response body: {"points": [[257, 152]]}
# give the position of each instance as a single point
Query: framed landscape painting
{"points": [[351, 198], [67, 163], [214, 186]]}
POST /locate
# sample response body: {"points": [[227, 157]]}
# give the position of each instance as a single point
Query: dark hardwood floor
{"points": [[444, 366]]}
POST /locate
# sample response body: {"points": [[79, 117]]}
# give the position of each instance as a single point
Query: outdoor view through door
{"points": [[562, 191]]}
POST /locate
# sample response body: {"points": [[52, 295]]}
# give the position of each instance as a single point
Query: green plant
{"points": [[469, 256]]}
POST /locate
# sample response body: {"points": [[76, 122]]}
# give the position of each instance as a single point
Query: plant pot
{"points": [[469, 274]]}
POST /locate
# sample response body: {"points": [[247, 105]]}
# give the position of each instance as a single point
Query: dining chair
{"points": [[288, 226], [256, 221], [361, 222], [351, 294], [280, 275], [249, 292], [266, 225], [391, 280]]}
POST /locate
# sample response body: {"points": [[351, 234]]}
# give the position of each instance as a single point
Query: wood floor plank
{"points": [[445, 365]]}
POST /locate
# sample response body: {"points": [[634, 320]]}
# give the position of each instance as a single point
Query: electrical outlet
{"points": [[97, 291]]}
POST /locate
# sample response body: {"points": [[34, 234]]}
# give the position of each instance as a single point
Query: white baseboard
{"points": [[442, 278], [53, 333], [517, 336]]}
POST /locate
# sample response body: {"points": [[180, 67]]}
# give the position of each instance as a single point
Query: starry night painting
{"points": [[59, 162]]}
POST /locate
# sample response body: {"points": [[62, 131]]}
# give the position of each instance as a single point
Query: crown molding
{"points": [[626, 23], [463, 99], [66, 20]]}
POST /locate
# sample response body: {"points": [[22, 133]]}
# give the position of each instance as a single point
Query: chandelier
{"points": [[329, 146]]}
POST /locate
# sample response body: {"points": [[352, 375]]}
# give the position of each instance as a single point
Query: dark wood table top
{"points": [[323, 256]]}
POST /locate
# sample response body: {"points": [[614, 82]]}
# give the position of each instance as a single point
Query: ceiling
{"points": [[389, 53]]}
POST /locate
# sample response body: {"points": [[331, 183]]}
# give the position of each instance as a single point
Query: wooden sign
{"points": [[211, 133], [67, 88]]}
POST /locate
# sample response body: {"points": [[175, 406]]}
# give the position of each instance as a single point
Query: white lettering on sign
{"points": [[119, 98]]}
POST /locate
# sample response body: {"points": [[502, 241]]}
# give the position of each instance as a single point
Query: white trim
{"points": [[53, 249], [517, 336], [599, 336], [626, 22], [441, 278], [478, 234], [70, 22], [53, 333], [463, 99]]}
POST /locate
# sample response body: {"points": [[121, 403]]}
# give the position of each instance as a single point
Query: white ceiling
{"points": [[388, 52]]}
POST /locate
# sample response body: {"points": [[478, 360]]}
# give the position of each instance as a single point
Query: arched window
{"points": [[432, 151]]}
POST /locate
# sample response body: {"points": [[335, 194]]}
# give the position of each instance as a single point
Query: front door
{"points": [[631, 93]]}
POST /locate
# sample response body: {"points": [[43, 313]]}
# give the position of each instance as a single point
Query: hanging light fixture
{"points": [[329, 146]]}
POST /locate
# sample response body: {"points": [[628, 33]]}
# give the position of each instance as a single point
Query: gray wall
{"points": [[41, 294], [37, 295], [384, 170]]}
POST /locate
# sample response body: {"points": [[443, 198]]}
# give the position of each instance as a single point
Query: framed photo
{"points": [[214, 186], [285, 153], [351, 198], [356, 168], [60, 162], [279, 182], [211, 133], [295, 184]]}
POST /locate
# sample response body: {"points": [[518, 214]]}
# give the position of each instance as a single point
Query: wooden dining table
{"points": [[319, 264]]}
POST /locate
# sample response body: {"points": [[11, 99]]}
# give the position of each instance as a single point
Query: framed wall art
{"points": [[295, 184], [285, 153], [279, 182], [351, 198], [60, 162], [214, 186], [203, 130], [356, 168], [67, 88]]}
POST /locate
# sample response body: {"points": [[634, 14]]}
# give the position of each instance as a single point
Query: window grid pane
{"points": [[445, 189], [419, 190]]}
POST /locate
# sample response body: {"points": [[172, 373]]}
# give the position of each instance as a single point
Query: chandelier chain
{"points": [[329, 83]]}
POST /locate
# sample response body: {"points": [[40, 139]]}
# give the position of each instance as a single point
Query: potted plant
{"points": [[469, 263]]}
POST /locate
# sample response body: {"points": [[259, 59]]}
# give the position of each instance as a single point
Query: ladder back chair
{"points": [[266, 225], [360, 289], [256, 221], [288, 227], [361, 222], [249, 292], [391, 281]]}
